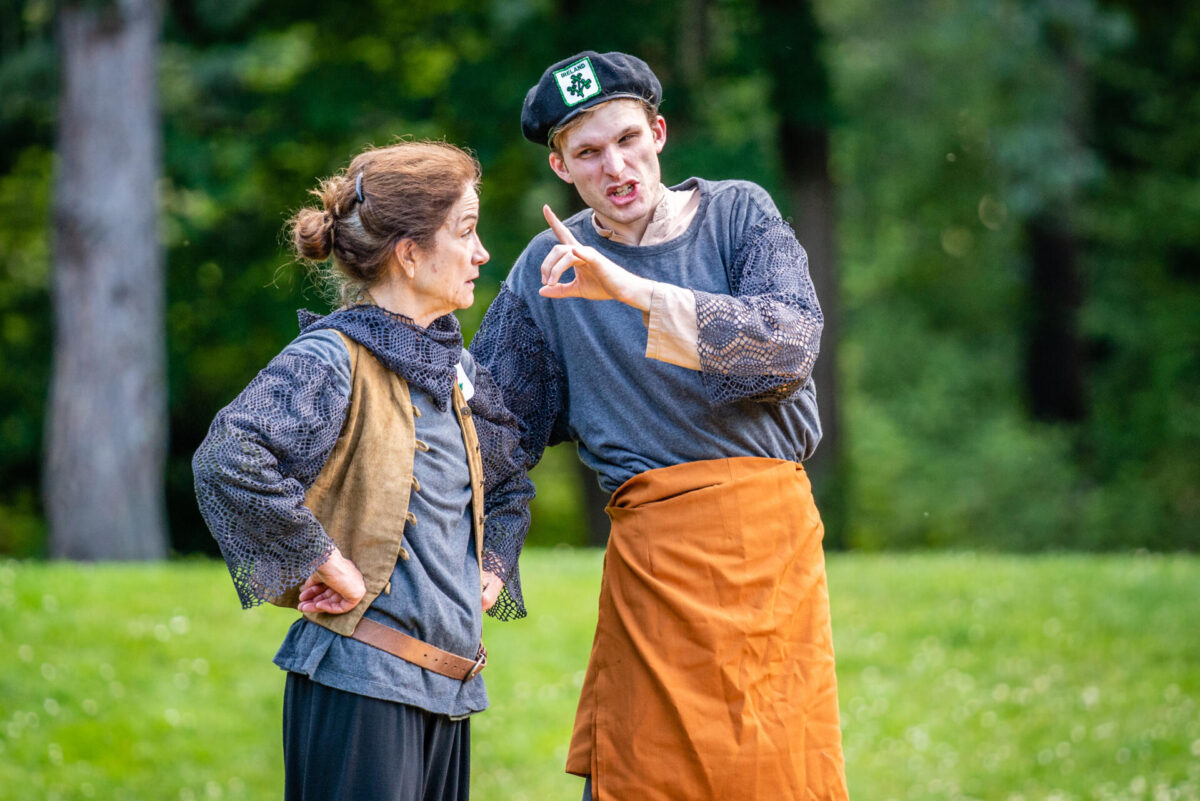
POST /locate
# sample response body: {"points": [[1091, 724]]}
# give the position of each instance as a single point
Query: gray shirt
{"points": [[630, 414]]}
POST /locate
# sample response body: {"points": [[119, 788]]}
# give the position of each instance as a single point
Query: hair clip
{"points": [[358, 187]]}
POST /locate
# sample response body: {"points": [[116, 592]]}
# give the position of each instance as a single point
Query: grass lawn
{"points": [[961, 677]]}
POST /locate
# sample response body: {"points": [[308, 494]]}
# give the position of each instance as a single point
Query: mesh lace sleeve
{"points": [[507, 493], [512, 349], [261, 453], [761, 343]]}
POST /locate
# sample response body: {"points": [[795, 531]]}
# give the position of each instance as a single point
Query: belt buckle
{"points": [[480, 664]]}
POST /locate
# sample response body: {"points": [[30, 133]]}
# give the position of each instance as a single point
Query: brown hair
{"points": [[407, 189], [558, 134]]}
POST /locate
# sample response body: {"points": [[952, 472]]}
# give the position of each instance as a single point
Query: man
{"points": [[671, 333]]}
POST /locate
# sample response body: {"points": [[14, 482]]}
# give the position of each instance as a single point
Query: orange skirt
{"points": [[711, 674]]}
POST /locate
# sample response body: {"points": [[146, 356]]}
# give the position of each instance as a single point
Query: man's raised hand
{"points": [[596, 277]]}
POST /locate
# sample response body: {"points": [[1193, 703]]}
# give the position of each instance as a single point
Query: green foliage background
{"points": [[954, 124]]}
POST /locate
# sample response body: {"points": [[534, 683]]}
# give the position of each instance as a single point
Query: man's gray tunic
{"points": [[576, 369]]}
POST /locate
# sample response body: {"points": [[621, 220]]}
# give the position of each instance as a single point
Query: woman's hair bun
{"points": [[312, 233]]}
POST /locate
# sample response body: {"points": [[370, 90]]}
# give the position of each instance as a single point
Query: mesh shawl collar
{"points": [[425, 357]]}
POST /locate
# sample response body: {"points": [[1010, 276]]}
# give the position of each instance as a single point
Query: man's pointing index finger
{"points": [[561, 231]]}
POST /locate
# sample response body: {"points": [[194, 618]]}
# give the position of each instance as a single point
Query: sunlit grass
{"points": [[961, 677], [1060, 677]]}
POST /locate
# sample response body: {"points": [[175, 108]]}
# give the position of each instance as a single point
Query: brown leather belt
{"points": [[410, 649]]}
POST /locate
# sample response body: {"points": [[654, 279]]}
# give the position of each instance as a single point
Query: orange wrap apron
{"points": [[711, 674]]}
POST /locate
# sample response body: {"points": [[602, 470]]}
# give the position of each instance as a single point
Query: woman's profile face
{"points": [[445, 273]]}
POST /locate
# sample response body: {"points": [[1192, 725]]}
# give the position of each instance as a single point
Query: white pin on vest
{"points": [[464, 383]]}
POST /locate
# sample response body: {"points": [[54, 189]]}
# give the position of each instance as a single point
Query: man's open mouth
{"points": [[623, 191]]}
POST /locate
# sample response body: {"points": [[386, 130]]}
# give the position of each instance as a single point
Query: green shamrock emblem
{"points": [[579, 85]]}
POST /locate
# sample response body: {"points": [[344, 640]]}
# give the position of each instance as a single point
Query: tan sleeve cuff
{"points": [[671, 326]]}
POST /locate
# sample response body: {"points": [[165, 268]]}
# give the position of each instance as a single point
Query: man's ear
{"points": [[406, 257], [659, 131], [560, 167]]}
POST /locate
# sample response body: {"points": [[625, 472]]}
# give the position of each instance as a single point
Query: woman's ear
{"points": [[406, 253]]}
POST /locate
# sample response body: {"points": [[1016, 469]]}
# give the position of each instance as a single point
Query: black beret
{"points": [[580, 82]]}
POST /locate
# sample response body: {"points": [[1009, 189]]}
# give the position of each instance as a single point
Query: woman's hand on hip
{"points": [[336, 587], [492, 585]]}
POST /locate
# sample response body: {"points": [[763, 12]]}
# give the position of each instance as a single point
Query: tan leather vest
{"points": [[361, 495]]}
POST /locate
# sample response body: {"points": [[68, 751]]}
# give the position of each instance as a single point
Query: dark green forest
{"points": [[1009, 190]]}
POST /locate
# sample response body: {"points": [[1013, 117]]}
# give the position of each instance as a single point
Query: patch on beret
{"points": [[580, 82]]}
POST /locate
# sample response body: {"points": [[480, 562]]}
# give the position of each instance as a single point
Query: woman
{"points": [[346, 480]]}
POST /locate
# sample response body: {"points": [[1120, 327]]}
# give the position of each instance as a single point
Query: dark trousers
{"points": [[338, 746]]}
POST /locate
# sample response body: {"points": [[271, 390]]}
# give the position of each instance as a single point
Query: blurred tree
{"points": [[1055, 366], [106, 425]]}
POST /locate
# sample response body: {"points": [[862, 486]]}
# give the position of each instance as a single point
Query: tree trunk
{"points": [[811, 192], [690, 57], [106, 422], [1055, 378], [802, 98], [1055, 365]]}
